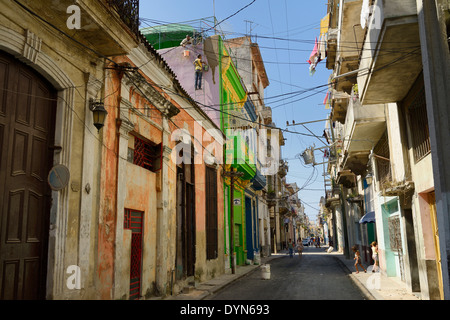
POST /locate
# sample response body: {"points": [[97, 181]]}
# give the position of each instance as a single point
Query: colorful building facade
{"points": [[225, 99]]}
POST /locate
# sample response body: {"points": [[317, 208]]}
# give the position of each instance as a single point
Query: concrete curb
{"points": [[216, 289], [211, 287]]}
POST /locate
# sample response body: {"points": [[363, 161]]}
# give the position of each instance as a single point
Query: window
{"points": [[418, 119], [211, 213], [145, 154], [383, 166]]}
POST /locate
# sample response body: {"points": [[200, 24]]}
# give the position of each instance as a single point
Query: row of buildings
{"points": [[119, 180], [389, 136]]}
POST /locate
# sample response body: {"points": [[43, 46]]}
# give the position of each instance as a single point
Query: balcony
{"points": [[240, 156], [347, 178], [283, 168], [350, 42], [271, 198], [266, 114], [364, 126], [331, 47], [102, 28], [283, 206], [339, 102], [259, 181], [391, 52]]}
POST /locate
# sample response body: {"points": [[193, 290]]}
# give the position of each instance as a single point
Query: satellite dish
{"points": [[58, 177]]}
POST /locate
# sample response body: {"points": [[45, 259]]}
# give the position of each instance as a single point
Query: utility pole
{"points": [[214, 14], [232, 174]]}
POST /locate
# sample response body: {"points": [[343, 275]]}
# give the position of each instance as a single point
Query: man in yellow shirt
{"points": [[198, 65]]}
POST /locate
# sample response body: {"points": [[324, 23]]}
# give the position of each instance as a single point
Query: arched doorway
{"points": [[27, 126]]}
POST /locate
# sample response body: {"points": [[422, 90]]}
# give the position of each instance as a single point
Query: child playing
{"points": [[357, 259], [374, 246]]}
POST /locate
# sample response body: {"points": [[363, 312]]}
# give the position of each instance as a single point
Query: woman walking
{"points": [[300, 247], [374, 246]]}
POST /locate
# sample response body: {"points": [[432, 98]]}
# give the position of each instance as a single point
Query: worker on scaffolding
{"points": [[186, 41], [198, 65]]}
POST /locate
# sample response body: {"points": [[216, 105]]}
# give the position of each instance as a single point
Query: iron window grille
{"points": [[383, 166], [419, 126], [147, 155]]}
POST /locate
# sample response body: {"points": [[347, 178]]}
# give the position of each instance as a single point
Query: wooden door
{"points": [[212, 246], [190, 230], [434, 225], [134, 221], [187, 211], [27, 121]]}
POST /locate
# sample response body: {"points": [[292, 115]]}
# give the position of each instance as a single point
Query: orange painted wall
{"points": [[142, 187]]}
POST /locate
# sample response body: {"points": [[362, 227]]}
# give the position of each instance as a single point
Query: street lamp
{"points": [[99, 113], [369, 178]]}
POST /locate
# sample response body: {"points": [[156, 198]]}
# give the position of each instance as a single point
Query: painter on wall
{"points": [[198, 66]]}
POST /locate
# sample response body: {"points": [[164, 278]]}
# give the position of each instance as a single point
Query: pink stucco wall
{"points": [[183, 66]]}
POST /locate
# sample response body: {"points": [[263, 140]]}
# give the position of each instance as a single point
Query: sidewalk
{"points": [[376, 286], [212, 286]]}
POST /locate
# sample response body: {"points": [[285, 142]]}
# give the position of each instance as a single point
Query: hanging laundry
{"points": [[312, 69], [314, 58], [326, 98], [365, 12], [324, 23], [313, 54], [326, 101]]}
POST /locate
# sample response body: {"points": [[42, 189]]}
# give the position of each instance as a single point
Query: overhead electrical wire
{"points": [[309, 180], [190, 99], [350, 48], [232, 15]]}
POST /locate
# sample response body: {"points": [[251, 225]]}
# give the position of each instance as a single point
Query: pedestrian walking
{"points": [[291, 248], [318, 242], [374, 246], [299, 247], [357, 259], [198, 66]]}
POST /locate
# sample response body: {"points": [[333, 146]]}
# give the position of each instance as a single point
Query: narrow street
{"points": [[315, 275], [161, 153]]}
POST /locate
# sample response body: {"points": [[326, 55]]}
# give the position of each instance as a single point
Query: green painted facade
{"points": [[237, 155]]}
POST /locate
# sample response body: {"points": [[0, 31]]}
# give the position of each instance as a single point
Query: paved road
{"points": [[314, 276]]}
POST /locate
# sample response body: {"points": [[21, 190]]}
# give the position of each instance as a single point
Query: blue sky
{"points": [[285, 30]]}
